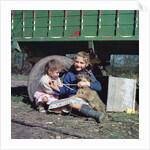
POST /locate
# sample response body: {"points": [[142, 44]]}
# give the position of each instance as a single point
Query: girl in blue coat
{"points": [[81, 66]]}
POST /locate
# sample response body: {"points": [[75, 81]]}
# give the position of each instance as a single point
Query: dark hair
{"points": [[53, 65]]}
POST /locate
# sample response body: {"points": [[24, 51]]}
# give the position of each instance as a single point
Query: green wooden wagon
{"points": [[45, 33]]}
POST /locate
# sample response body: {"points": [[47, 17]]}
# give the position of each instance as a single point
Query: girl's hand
{"points": [[61, 84], [83, 84], [54, 86]]}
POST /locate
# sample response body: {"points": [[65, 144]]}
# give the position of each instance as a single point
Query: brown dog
{"points": [[90, 95]]}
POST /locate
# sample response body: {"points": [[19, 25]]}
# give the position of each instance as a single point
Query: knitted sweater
{"points": [[44, 84], [70, 79]]}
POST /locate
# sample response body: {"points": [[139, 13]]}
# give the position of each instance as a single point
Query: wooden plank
{"points": [[121, 94]]}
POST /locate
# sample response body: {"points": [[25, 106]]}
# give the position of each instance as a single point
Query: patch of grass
{"points": [[19, 77], [17, 98], [18, 104], [114, 135], [112, 131], [123, 117], [121, 126]]}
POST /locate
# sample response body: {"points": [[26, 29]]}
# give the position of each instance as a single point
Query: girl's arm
{"points": [[45, 86], [54, 86], [96, 85], [83, 84], [63, 89]]}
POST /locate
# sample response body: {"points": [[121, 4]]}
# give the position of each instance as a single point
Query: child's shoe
{"points": [[41, 109], [66, 110]]}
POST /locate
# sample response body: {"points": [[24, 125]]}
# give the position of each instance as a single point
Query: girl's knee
{"points": [[76, 106], [45, 99]]}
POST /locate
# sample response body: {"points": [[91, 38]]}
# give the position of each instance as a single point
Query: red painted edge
{"points": [[66, 14], [100, 12], [75, 35], [34, 14], [50, 14], [23, 15], [40, 37], [17, 37], [82, 13]]}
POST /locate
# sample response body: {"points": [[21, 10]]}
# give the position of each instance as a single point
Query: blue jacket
{"points": [[70, 79]]}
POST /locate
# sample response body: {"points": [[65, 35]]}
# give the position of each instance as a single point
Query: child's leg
{"points": [[57, 110], [60, 110], [44, 101], [75, 106], [86, 110]]}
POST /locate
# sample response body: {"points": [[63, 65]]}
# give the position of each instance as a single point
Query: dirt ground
{"points": [[28, 123]]}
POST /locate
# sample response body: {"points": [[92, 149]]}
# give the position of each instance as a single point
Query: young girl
{"points": [[45, 94], [81, 66]]}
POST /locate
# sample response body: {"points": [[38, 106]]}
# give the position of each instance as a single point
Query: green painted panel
{"points": [[126, 19], [56, 31], [28, 23], [18, 32], [107, 30], [17, 23], [18, 27], [18, 14], [73, 21], [41, 22], [106, 12], [57, 21], [28, 32], [127, 22], [89, 31], [108, 20], [90, 20], [90, 12], [58, 13], [41, 32], [73, 13], [28, 14], [126, 30], [126, 11], [72, 31], [42, 13]]}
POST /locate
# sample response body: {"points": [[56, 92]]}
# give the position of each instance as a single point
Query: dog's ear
{"points": [[89, 79]]}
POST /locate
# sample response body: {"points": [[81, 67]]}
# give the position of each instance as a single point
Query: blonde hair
{"points": [[86, 58]]}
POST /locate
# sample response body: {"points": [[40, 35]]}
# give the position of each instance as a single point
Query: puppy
{"points": [[90, 95]]}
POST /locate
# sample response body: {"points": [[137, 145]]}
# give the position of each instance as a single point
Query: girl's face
{"points": [[79, 64], [53, 74]]}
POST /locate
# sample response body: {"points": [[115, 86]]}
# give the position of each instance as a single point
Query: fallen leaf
{"points": [[48, 122]]}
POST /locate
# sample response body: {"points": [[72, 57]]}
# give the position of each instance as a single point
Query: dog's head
{"points": [[84, 78]]}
